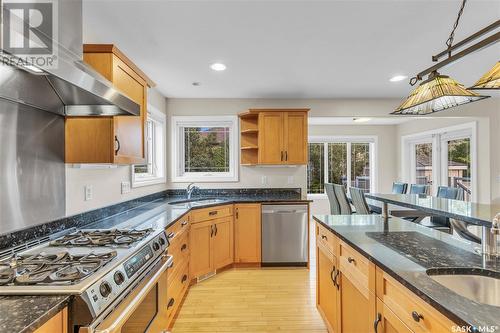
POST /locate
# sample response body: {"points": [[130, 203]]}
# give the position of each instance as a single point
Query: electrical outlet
{"points": [[264, 180], [290, 180], [125, 187], [88, 192], [498, 179]]}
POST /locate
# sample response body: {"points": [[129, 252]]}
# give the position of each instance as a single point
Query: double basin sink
{"points": [[472, 285]]}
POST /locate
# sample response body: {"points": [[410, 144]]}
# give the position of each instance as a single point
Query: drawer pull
{"points": [[212, 213], [416, 316], [184, 278], [170, 303], [183, 223], [375, 323], [171, 235], [183, 247], [351, 260], [324, 237]]}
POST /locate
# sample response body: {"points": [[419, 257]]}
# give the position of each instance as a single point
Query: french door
{"points": [[443, 159]]}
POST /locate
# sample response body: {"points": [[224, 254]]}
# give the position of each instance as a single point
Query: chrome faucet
{"points": [[190, 189], [495, 231], [490, 238]]}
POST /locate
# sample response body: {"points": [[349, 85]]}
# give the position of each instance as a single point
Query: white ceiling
{"points": [[361, 120], [288, 49]]}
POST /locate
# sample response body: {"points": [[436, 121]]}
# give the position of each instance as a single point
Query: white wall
{"points": [[106, 183]]}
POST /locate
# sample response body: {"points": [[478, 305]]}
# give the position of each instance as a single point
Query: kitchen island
{"points": [[404, 256]]}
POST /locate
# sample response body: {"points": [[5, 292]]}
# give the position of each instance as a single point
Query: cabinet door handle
{"points": [[212, 213], [184, 278], [211, 231], [184, 223], [183, 247], [237, 213], [324, 237], [215, 225], [335, 279], [171, 235], [171, 264], [170, 302], [351, 260], [281, 156], [117, 145], [286, 155], [332, 277], [375, 323], [416, 316]]}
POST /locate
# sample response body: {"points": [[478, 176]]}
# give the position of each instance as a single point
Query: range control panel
{"points": [[103, 292]]}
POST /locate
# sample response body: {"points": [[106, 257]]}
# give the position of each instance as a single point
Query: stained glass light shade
{"points": [[438, 93], [490, 80]]}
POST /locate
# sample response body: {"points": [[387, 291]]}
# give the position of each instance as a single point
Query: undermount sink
{"points": [[479, 288], [196, 202]]}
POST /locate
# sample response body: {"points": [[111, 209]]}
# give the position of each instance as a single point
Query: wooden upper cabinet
{"points": [[295, 137], [273, 136], [118, 139]]}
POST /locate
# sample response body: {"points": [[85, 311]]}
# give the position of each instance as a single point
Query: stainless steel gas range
{"points": [[107, 271]]}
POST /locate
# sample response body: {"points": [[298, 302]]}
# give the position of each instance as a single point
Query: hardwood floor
{"points": [[253, 300]]}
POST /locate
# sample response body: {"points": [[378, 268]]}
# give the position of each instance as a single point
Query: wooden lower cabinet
{"points": [[367, 295], [211, 246], [387, 322], [356, 307], [326, 291], [247, 233], [56, 324]]}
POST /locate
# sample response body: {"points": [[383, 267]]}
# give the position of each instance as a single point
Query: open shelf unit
{"points": [[249, 138]]}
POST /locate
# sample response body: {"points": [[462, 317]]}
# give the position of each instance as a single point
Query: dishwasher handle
{"points": [[284, 209]]}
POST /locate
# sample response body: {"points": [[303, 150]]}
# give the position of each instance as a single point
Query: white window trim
{"points": [[372, 139], [437, 136], [160, 117], [177, 146]]}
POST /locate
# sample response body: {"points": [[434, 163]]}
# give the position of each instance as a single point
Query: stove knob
{"points": [[162, 241], [105, 289], [156, 246], [119, 277]]}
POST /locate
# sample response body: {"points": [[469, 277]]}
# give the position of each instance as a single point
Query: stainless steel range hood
{"points": [[70, 88]]}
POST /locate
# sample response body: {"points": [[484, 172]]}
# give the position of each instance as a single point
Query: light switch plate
{"points": [[264, 180], [88, 192], [125, 187]]}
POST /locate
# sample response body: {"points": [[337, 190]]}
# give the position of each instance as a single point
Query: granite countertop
{"points": [[26, 313], [23, 314], [406, 251]]}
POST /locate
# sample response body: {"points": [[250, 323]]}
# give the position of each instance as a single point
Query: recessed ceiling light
{"points": [[196, 84], [361, 120], [397, 78], [218, 67]]}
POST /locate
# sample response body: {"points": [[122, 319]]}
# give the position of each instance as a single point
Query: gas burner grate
{"points": [[111, 238], [60, 268]]}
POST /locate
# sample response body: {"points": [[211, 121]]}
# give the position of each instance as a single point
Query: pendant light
{"points": [[438, 92], [490, 80]]}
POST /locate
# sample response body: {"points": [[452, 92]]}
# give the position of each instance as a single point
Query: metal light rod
{"points": [[471, 49], [467, 40]]}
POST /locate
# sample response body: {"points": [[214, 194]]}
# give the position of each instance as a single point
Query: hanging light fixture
{"points": [[437, 93], [440, 92], [490, 80]]}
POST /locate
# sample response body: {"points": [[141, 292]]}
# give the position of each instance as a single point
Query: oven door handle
{"points": [[132, 305]]}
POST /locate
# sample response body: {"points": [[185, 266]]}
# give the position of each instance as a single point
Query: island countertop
{"points": [[406, 251]]}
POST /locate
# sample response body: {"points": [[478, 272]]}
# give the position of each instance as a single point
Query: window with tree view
{"points": [[346, 163], [205, 148]]}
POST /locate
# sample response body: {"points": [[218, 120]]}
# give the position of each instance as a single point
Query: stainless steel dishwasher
{"points": [[284, 235]]}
